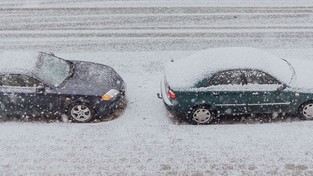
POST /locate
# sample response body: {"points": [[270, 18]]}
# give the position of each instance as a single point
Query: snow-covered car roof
{"points": [[185, 73], [19, 62]]}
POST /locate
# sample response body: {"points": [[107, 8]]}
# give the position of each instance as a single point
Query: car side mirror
{"points": [[281, 87]]}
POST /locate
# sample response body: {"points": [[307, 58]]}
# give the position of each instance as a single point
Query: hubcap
{"points": [[80, 113], [308, 111], [202, 116]]}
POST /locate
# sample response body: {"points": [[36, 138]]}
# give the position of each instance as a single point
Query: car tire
{"points": [[306, 111], [80, 112], [201, 115]]}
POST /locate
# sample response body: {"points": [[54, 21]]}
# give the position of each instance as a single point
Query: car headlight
{"points": [[110, 94]]}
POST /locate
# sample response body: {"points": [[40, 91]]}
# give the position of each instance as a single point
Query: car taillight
{"points": [[171, 94]]}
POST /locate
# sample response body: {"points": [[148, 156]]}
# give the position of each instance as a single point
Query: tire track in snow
{"points": [[154, 28]]}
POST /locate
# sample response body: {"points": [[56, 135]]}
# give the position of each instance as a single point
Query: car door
{"points": [[43, 99], [225, 92], [262, 94], [13, 94], [24, 95]]}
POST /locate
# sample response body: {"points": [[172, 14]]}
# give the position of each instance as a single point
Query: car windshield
{"points": [[52, 70]]}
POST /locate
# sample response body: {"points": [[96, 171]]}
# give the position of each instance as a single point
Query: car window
{"points": [[18, 81], [258, 77], [228, 77], [52, 70]]}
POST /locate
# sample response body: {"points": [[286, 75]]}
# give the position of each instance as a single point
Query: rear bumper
{"points": [[167, 102], [173, 108], [163, 95]]}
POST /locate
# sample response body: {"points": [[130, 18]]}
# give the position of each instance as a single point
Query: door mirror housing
{"points": [[281, 87]]}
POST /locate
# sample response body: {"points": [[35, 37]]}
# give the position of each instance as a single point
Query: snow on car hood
{"points": [[304, 71], [92, 79], [185, 73]]}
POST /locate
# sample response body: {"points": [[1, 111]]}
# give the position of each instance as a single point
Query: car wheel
{"points": [[80, 112], [201, 115], [306, 111]]}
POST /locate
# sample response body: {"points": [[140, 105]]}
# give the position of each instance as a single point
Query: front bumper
{"points": [[104, 108]]}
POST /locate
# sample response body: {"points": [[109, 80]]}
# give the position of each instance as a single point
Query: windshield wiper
{"points": [[72, 69]]}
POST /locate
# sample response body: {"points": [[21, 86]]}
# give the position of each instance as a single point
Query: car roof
{"points": [[18, 62], [185, 73]]}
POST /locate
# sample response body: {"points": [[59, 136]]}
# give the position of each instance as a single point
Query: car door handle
{"points": [[255, 93], [215, 94]]}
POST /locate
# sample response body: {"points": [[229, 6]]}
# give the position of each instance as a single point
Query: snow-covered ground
{"points": [[137, 42], [150, 3]]}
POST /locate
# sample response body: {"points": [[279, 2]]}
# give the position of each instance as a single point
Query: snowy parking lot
{"points": [[137, 38]]}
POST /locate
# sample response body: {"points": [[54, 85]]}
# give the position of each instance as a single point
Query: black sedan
{"points": [[35, 84]]}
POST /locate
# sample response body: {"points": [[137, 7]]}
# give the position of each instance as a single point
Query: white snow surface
{"points": [[145, 140], [150, 3], [303, 71], [185, 73], [18, 61]]}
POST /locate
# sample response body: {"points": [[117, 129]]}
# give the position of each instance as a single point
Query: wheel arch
{"points": [[209, 106], [76, 100], [212, 109], [302, 105], [81, 103]]}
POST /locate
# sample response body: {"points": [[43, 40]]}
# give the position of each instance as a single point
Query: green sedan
{"points": [[233, 81]]}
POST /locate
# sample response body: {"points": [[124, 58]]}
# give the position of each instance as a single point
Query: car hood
{"points": [[91, 79], [303, 73]]}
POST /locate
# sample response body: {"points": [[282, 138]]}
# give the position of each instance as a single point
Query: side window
{"points": [[18, 81], [13, 80], [258, 77], [229, 77], [31, 82]]}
